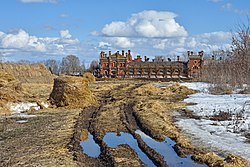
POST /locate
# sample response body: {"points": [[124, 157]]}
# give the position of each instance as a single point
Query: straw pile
{"points": [[10, 88], [28, 73], [89, 76], [72, 92]]}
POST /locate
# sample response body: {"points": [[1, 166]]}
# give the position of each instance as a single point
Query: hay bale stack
{"points": [[10, 88], [89, 76], [72, 92], [28, 73]]}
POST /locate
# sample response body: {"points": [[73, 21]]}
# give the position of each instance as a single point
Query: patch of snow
{"points": [[215, 137], [208, 104], [16, 108], [218, 135], [22, 115], [201, 86], [46, 105], [22, 121]]}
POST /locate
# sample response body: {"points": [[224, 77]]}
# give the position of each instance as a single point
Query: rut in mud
{"points": [[115, 114]]}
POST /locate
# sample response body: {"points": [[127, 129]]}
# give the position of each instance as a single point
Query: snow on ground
{"points": [[201, 86], [23, 106], [19, 109], [218, 135]]}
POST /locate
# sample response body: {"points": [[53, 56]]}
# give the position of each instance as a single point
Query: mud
{"points": [[115, 113]]}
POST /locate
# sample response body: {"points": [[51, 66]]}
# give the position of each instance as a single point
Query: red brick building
{"points": [[195, 62], [114, 65], [122, 65]]}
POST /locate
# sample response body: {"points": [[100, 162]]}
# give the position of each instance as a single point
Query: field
{"points": [[133, 114]]}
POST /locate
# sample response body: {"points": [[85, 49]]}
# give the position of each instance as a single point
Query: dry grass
{"points": [[84, 135], [158, 115], [89, 76], [37, 91], [212, 159], [152, 90], [42, 141], [178, 89], [155, 106], [221, 89]]}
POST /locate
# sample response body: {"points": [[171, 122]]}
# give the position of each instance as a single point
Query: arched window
{"points": [[196, 67]]}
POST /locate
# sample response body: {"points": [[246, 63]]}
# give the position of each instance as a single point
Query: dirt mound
{"points": [[89, 76], [28, 73], [10, 88], [72, 92]]}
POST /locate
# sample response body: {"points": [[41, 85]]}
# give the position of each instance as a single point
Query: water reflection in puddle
{"points": [[113, 141], [165, 148], [90, 147]]}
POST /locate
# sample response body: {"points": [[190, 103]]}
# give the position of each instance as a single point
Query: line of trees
{"points": [[70, 65], [231, 67]]}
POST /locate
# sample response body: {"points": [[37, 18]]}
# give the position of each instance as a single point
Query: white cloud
{"points": [[122, 42], [150, 24], [172, 46], [22, 44], [37, 44], [1, 35], [95, 33], [104, 45], [65, 34], [231, 8], [38, 1], [17, 40]]}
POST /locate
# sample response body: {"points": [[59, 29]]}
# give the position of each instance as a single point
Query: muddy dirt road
{"points": [[116, 114]]}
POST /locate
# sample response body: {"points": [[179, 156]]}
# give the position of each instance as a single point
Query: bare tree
{"points": [[83, 67], [70, 65], [241, 51], [52, 65], [24, 62], [231, 67], [93, 65]]}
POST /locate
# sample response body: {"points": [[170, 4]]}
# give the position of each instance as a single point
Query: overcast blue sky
{"points": [[51, 29]]}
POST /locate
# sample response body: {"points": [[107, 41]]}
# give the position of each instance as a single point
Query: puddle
{"points": [[112, 140], [165, 148], [90, 147]]}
